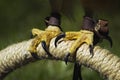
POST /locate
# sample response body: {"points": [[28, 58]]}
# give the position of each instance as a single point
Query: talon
{"points": [[80, 37], [44, 36], [66, 58], [46, 48], [103, 31], [77, 72], [31, 35], [62, 35], [91, 50], [34, 32], [35, 55], [47, 20], [110, 40]]}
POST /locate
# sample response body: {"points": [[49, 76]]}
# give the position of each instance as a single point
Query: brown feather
{"points": [[67, 7]]}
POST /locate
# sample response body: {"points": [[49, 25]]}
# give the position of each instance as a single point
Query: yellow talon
{"points": [[43, 35]]}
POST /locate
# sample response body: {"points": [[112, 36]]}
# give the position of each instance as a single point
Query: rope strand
{"points": [[103, 61]]}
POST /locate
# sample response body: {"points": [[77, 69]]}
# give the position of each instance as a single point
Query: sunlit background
{"points": [[18, 17]]}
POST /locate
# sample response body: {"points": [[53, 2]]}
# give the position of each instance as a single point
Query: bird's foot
{"points": [[44, 36], [80, 37], [91, 34]]}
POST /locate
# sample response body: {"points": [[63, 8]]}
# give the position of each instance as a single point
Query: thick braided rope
{"points": [[103, 61]]}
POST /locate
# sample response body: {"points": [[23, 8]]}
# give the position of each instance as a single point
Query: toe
{"points": [[66, 58], [43, 43], [91, 50], [62, 35]]}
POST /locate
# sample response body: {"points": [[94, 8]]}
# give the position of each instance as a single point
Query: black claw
{"points": [[77, 72], [35, 55], [47, 20], [66, 58], [62, 35], [91, 50], [31, 35], [109, 39], [46, 48]]}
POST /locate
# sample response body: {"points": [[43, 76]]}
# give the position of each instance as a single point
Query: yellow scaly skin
{"points": [[83, 36], [43, 35]]}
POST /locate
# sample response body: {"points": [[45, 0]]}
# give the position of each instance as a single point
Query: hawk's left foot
{"points": [[91, 34], [80, 37]]}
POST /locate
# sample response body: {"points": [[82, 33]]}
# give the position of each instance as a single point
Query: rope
{"points": [[103, 61]]}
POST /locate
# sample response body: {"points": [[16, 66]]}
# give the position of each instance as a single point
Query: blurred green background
{"points": [[18, 17]]}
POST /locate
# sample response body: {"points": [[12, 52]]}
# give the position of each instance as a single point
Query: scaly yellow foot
{"points": [[80, 37], [100, 31], [83, 36], [43, 36]]}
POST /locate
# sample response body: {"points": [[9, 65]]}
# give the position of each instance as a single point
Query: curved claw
{"points": [[31, 35], [46, 48], [91, 50], [77, 72], [66, 58], [109, 39], [62, 35], [35, 55]]}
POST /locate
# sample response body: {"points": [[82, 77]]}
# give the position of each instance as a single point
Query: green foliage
{"points": [[18, 17]]}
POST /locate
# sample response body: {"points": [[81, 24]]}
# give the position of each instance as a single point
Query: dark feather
{"points": [[67, 7]]}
